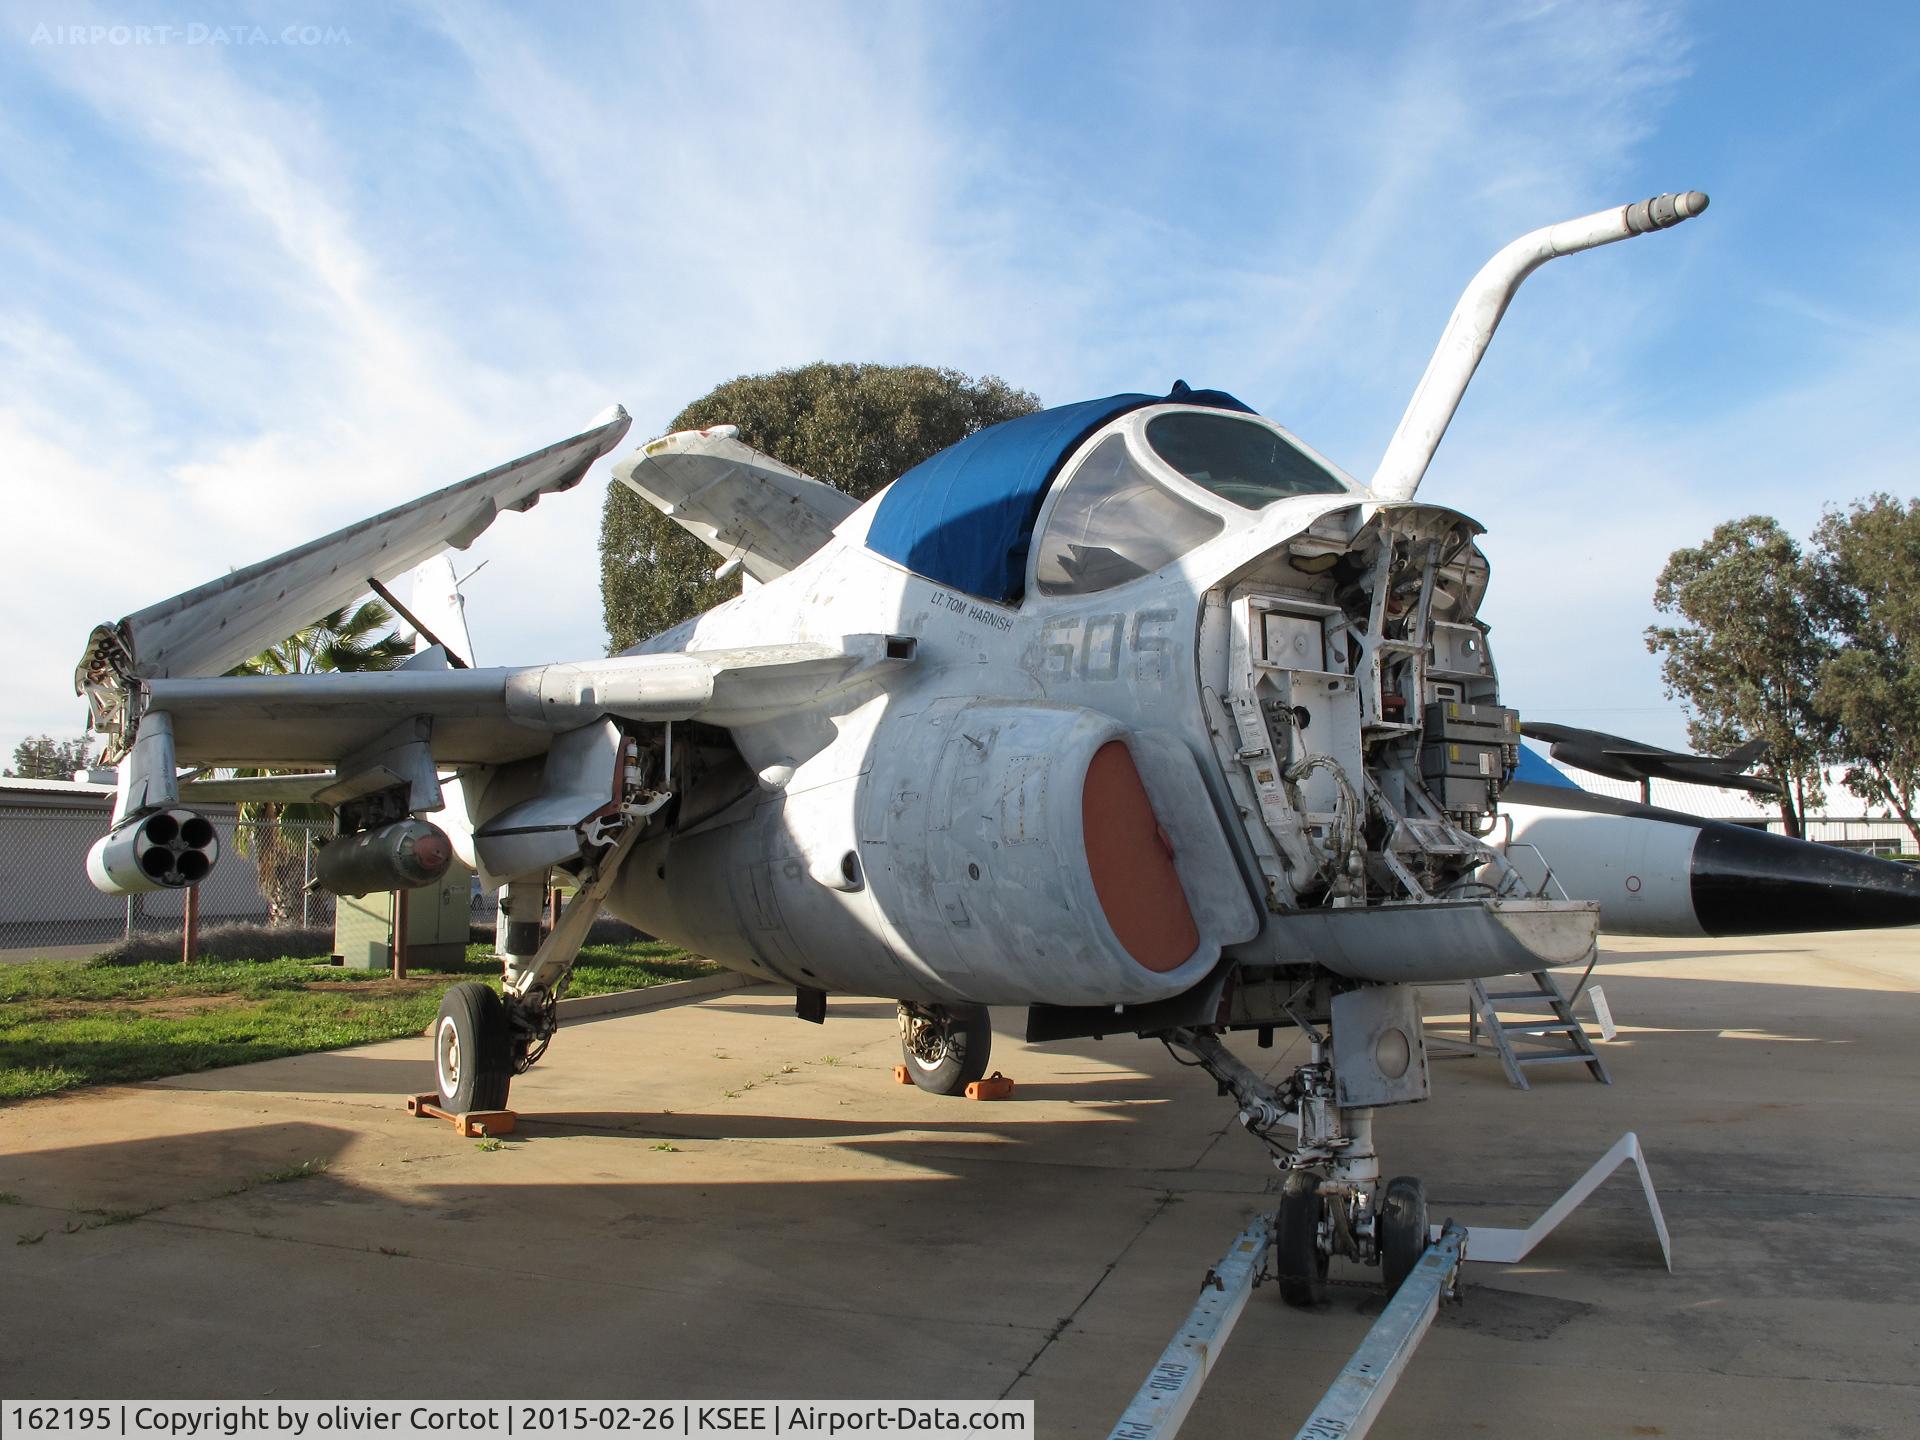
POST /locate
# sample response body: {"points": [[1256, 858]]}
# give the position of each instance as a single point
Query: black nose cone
{"points": [[1748, 882]]}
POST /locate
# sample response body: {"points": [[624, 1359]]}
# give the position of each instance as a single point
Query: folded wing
{"points": [[743, 505], [213, 627]]}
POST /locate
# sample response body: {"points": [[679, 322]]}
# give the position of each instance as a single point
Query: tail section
{"points": [[440, 610]]}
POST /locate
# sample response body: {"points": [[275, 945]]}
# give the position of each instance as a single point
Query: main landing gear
{"points": [[481, 1039], [473, 1050], [945, 1048], [1332, 1201]]}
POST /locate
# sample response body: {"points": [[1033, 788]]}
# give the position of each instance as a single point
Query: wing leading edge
{"points": [[492, 716]]}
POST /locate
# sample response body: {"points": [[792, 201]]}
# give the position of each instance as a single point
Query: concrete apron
{"points": [[718, 1200]]}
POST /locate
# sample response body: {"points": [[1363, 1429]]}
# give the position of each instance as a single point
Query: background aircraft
{"points": [[1136, 713], [1664, 872], [1623, 759]]}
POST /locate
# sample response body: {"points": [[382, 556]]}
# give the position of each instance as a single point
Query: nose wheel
{"points": [[1315, 1219], [1312, 1224], [945, 1048], [1299, 1249], [1400, 1229]]}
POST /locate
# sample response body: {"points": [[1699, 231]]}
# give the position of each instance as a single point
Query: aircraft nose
{"points": [[1749, 882]]}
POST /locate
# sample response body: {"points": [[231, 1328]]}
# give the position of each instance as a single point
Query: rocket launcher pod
{"points": [[161, 850]]}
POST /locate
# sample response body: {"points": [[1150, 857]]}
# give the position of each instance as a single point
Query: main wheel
{"points": [[946, 1050], [472, 1051], [1402, 1230], [1298, 1260]]}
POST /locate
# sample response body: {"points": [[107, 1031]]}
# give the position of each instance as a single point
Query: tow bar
{"points": [[1354, 1400]]}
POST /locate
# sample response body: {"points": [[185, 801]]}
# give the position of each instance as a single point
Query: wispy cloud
{"points": [[262, 292]]}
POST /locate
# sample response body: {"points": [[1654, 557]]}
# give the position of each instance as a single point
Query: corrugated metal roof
{"points": [[53, 787]]}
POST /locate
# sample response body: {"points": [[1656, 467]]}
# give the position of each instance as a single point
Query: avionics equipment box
{"points": [[1467, 753]]}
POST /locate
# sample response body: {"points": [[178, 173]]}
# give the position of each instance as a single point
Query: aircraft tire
{"points": [[472, 1049], [1403, 1230], [1298, 1261], [957, 1063]]}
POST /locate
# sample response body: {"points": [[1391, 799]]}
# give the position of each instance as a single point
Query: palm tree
{"points": [[343, 640]]}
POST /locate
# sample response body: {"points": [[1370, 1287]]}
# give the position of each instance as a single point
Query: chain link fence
{"points": [[48, 904], [48, 907]]}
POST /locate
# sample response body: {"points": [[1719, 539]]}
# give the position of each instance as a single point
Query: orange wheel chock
{"points": [[486, 1123], [900, 1075], [995, 1087]]}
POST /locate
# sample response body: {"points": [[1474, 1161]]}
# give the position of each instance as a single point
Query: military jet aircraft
{"points": [[1656, 871], [1623, 759], [1137, 713]]}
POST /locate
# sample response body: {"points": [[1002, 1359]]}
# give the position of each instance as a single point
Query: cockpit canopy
{"points": [[1115, 516], [966, 517], [1239, 460]]}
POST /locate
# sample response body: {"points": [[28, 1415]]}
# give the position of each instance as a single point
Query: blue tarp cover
{"points": [[965, 517]]}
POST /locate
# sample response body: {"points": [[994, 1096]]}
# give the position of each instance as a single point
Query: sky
{"points": [[265, 272]]}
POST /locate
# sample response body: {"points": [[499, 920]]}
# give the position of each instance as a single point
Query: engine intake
{"points": [[1054, 854], [161, 850]]}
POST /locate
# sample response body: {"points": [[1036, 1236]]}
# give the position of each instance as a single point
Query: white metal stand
{"points": [[1507, 1247]]}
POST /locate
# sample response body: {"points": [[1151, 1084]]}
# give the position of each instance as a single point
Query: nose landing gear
{"points": [[1319, 1217], [472, 1049], [1332, 1201]]}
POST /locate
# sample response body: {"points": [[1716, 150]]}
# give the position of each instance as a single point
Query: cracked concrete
{"points": [[720, 1201]]}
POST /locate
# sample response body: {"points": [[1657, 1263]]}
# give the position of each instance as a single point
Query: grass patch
{"points": [[305, 1170], [103, 1218], [89, 1022]]}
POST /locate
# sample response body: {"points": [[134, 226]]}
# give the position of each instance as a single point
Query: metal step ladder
{"points": [[1535, 1030]]}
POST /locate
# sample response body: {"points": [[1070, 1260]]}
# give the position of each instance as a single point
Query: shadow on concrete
{"points": [[326, 1073], [149, 1172]]}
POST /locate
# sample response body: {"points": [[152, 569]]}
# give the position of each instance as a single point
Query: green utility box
{"points": [[437, 924]]}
